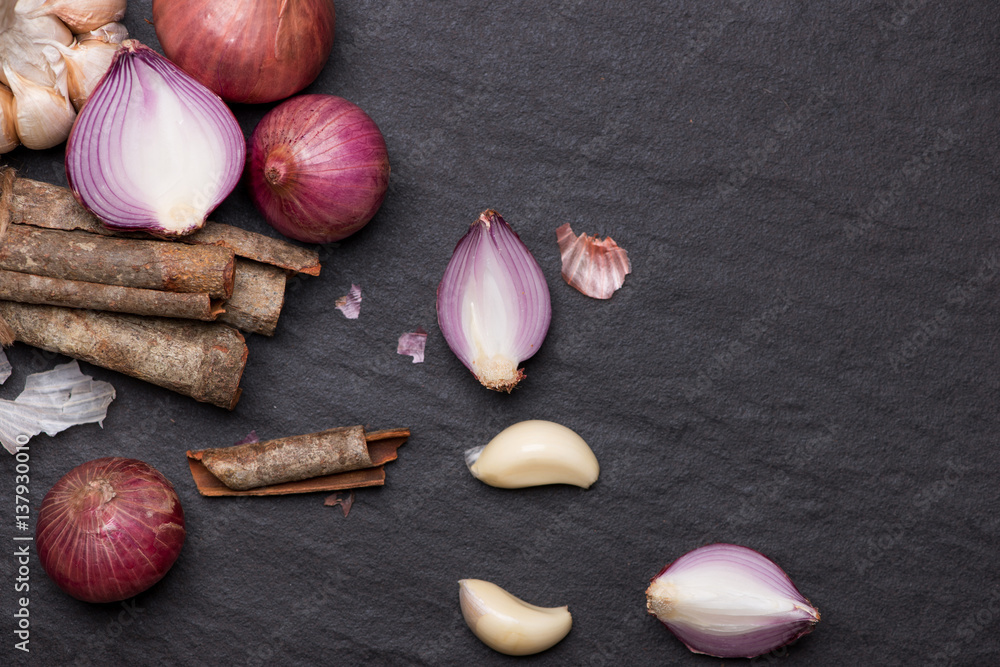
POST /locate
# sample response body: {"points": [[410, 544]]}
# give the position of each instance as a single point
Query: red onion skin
{"points": [[247, 51], [317, 168], [109, 529]]}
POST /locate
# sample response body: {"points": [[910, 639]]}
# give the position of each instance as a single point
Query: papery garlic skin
{"points": [[534, 453], [78, 15], [8, 128], [729, 601], [508, 624], [493, 303]]}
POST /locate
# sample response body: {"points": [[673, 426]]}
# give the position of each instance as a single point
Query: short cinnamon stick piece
{"points": [[202, 360], [51, 206], [299, 461], [258, 295], [28, 288], [112, 261]]}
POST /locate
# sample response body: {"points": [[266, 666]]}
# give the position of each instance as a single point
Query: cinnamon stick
{"points": [[260, 248], [198, 359], [249, 464], [258, 295], [28, 288], [113, 261], [51, 206]]}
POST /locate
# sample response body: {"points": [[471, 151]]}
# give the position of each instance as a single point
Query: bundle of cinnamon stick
{"points": [[163, 311]]}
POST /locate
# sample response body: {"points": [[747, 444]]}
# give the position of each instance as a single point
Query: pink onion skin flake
{"points": [[350, 303], [595, 268], [412, 344]]}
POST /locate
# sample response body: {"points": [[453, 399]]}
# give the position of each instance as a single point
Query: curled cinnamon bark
{"points": [[198, 359], [288, 459], [338, 458]]}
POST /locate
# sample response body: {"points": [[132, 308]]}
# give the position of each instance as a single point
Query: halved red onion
{"points": [[109, 529], [595, 268], [153, 150], [493, 303], [729, 601]]}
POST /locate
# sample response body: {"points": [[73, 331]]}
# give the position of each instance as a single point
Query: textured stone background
{"points": [[804, 360]]}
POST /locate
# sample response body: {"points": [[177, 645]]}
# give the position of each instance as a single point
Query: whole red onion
{"points": [[109, 529], [318, 168], [247, 50]]}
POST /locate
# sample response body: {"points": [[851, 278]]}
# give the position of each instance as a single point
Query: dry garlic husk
{"points": [[729, 601], [48, 68], [508, 624], [78, 15], [8, 131], [112, 33], [533, 453]]}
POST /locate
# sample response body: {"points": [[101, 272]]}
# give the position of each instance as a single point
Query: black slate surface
{"points": [[804, 360]]}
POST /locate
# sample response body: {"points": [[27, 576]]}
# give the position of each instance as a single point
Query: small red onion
{"points": [[318, 168], [247, 50], [109, 529], [493, 303], [729, 601], [153, 150]]}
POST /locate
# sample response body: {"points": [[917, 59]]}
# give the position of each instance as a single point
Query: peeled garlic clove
{"points": [[493, 303], [44, 115], [533, 453], [8, 128], [508, 624], [80, 16], [729, 601], [595, 268]]}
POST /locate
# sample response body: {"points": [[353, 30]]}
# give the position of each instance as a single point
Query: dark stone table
{"points": [[803, 361]]}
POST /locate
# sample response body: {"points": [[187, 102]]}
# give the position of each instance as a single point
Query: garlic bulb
{"points": [[48, 69], [729, 601], [532, 453], [508, 624]]}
